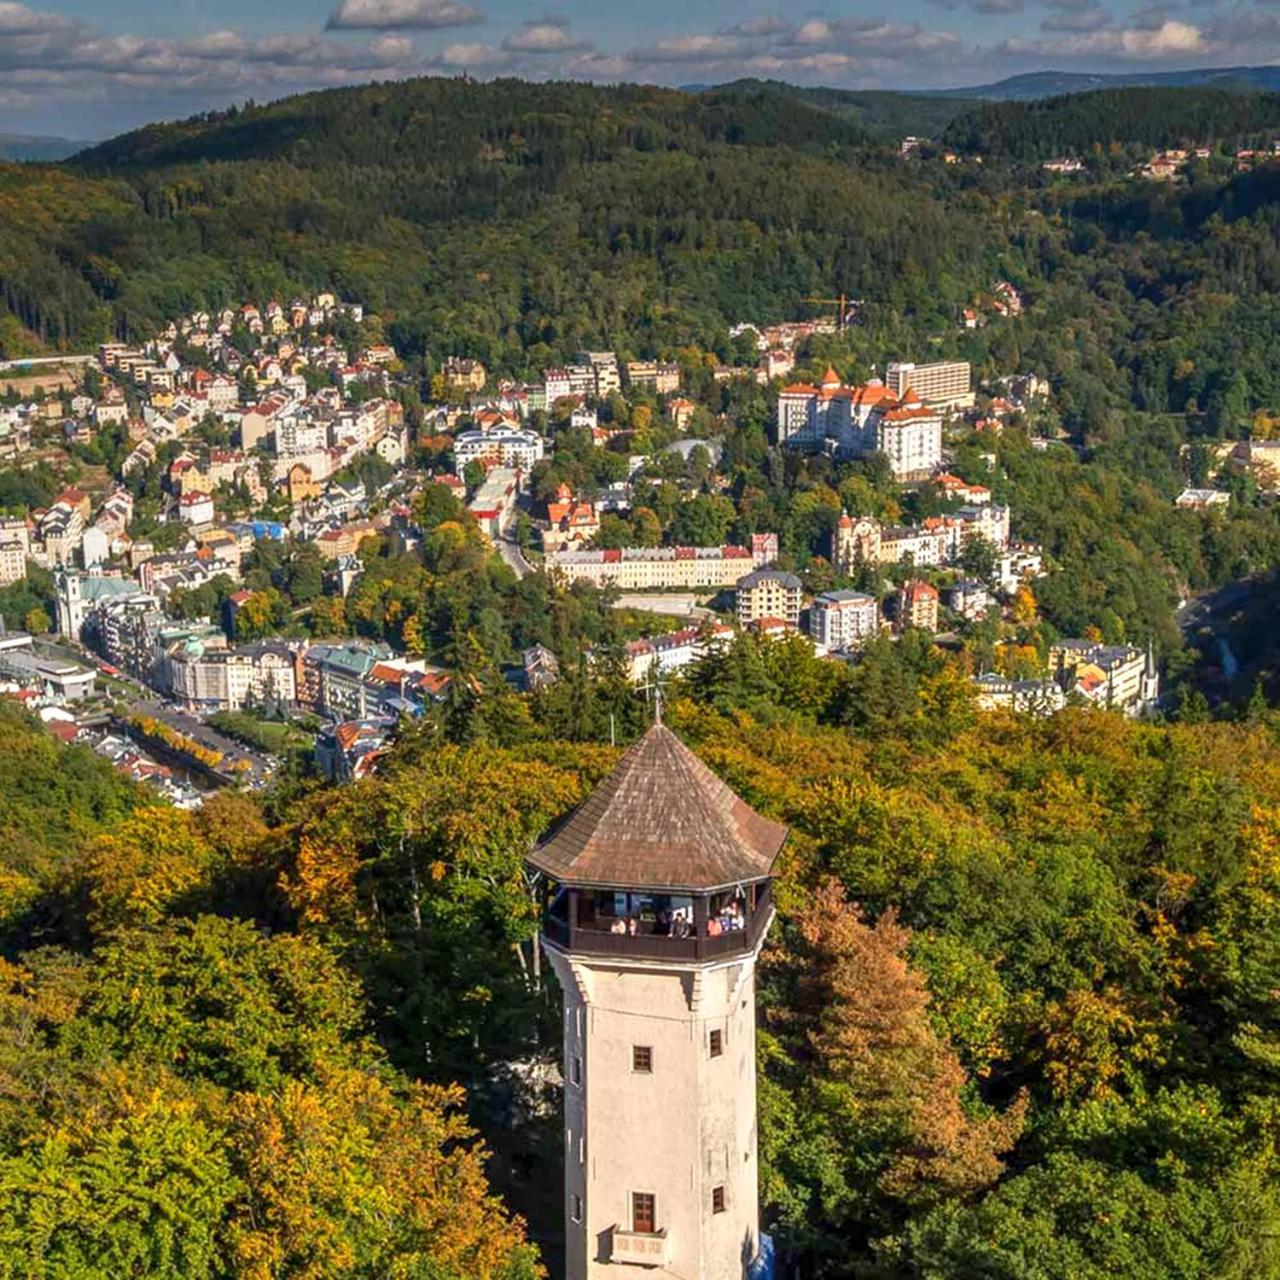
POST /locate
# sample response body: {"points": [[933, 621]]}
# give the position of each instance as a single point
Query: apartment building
{"points": [[841, 620], [13, 563], [501, 447], [944, 384], [674, 649], [1032, 697], [461, 374], [769, 594], [494, 504], [917, 606], [662, 378]]}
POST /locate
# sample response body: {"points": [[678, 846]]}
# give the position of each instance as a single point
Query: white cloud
{"points": [[692, 48], [387, 15], [41, 49], [46, 58], [1169, 40], [470, 56], [545, 35]]}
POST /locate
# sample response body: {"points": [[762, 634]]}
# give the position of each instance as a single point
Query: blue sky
{"points": [[87, 69]]}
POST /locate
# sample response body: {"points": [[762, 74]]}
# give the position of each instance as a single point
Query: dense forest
{"points": [[1078, 124], [1018, 1014]]}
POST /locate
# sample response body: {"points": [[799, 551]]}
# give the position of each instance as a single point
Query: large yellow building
{"points": [[649, 568]]}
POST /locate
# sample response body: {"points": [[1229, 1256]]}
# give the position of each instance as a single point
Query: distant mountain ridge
{"points": [[1051, 84], [35, 146]]}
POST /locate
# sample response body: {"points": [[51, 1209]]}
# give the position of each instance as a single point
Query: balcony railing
{"points": [[645, 1248], [646, 943]]}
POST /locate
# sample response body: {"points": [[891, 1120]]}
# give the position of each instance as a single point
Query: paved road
{"points": [[43, 362], [1213, 607], [512, 554], [142, 700], [232, 751]]}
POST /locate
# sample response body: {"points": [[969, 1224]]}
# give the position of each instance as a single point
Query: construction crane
{"points": [[843, 304]]}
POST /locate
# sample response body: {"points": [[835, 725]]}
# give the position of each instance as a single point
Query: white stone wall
{"points": [[677, 1132]]}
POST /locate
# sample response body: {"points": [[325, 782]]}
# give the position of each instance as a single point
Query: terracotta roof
{"points": [[661, 820]]}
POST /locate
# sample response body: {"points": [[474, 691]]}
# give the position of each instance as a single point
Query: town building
{"points": [[206, 675], [853, 421], [606, 379], [917, 606], [658, 376], [1032, 697], [51, 677], [840, 620], [463, 375], [195, 507], [969, 599], [494, 503], [1116, 676], [571, 522], [646, 568], [680, 412], [673, 649], [125, 629], [77, 595], [939, 541], [657, 899], [1202, 499], [500, 447], [945, 384], [769, 593], [351, 750], [13, 562]]}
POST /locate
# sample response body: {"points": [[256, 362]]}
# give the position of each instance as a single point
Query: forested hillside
{"points": [[1080, 123], [505, 219], [229, 1041]]}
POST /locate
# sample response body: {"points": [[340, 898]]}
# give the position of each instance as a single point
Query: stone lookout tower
{"points": [[656, 903]]}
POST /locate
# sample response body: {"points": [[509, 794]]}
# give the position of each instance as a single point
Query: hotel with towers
{"points": [[656, 902]]}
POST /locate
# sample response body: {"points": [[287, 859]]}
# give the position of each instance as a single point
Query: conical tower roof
{"points": [[661, 821]]}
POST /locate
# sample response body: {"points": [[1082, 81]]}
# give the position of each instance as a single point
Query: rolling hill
{"points": [[39, 147], [1049, 84]]}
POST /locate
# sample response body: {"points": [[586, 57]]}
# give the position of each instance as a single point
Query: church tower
{"points": [[657, 901]]}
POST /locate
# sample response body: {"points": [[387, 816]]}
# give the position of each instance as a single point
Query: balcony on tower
{"points": [[662, 863]]}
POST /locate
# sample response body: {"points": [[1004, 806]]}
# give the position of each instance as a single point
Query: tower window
{"points": [[575, 1071], [642, 1058], [575, 1208], [717, 1043], [717, 1199], [644, 1212]]}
